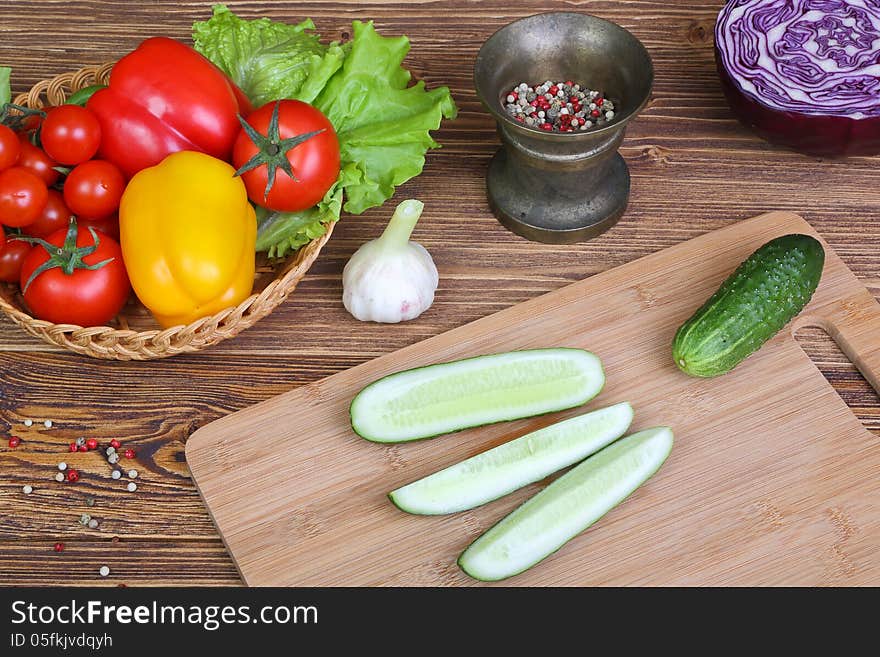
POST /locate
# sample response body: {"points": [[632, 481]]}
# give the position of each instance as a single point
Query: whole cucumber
{"points": [[769, 288]]}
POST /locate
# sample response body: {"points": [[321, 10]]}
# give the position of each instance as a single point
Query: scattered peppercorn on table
{"points": [[694, 169]]}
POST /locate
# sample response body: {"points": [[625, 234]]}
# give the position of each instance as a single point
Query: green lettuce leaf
{"points": [[266, 59], [279, 233], [383, 124], [5, 88]]}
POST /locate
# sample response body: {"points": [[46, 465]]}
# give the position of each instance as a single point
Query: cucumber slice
{"points": [[510, 466], [569, 505], [438, 399]]}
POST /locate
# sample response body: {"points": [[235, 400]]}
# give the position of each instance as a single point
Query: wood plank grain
{"points": [[694, 169], [33, 562], [789, 443], [154, 416]]}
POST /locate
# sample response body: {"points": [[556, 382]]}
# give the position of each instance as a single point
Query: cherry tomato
{"points": [[33, 122], [54, 216], [35, 160], [10, 147], [12, 253], [70, 134], [87, 297], [22, 197], [315, 161], [108, 225], [93, 189]]}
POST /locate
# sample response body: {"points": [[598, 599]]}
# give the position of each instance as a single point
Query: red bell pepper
{"points": [[164, 97]]}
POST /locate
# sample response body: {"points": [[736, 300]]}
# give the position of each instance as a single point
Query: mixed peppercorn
{"points": [[558, 106], [65, 473]]}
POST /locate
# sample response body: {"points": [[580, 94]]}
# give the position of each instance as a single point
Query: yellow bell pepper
{"points": [[188, 233]]}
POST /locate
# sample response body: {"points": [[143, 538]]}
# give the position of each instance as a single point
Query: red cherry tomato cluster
{"points": [[58, 211], [63, 171]]}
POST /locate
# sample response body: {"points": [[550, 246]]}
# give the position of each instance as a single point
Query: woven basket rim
{"points": [[108, 342]]}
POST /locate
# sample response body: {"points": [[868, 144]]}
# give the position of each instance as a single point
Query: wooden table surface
{"points": [[694, 169]]}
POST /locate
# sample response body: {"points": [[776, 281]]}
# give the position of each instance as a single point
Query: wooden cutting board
{"points": [[772, 479]]}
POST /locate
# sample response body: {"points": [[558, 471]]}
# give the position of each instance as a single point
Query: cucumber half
{"points": [[510, 466], [565, 508], [438, 399]]}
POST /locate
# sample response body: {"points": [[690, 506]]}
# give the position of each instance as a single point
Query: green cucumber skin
{"points": [[409, 509], [571, 473], [755, 302], [378, 440]]}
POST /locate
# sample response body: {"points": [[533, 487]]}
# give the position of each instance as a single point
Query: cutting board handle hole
{"points": [[838, 370]]}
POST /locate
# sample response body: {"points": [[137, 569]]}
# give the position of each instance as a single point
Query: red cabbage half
{"points": [[804, 73]]}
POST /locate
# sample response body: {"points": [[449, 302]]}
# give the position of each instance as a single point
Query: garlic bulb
{"points": [[391, 279]]}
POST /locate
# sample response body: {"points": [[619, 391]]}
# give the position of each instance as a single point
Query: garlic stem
{"points": [[402, 223]]}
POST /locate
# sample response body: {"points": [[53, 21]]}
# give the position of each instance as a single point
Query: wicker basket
{"points": [[135, 335]]}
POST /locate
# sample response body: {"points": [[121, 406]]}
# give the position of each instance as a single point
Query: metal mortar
{"points": [[561, 187]]}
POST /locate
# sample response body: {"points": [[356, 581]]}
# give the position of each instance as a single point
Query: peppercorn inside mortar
{"points": [[558, 106]]}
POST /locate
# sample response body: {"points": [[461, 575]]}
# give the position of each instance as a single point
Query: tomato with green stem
{"points": [[298, 139], [22, 197], [70, 134], [93, 189], [31, 123], [20, 118], [12, 253], [74, 277], [10, 147]]}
